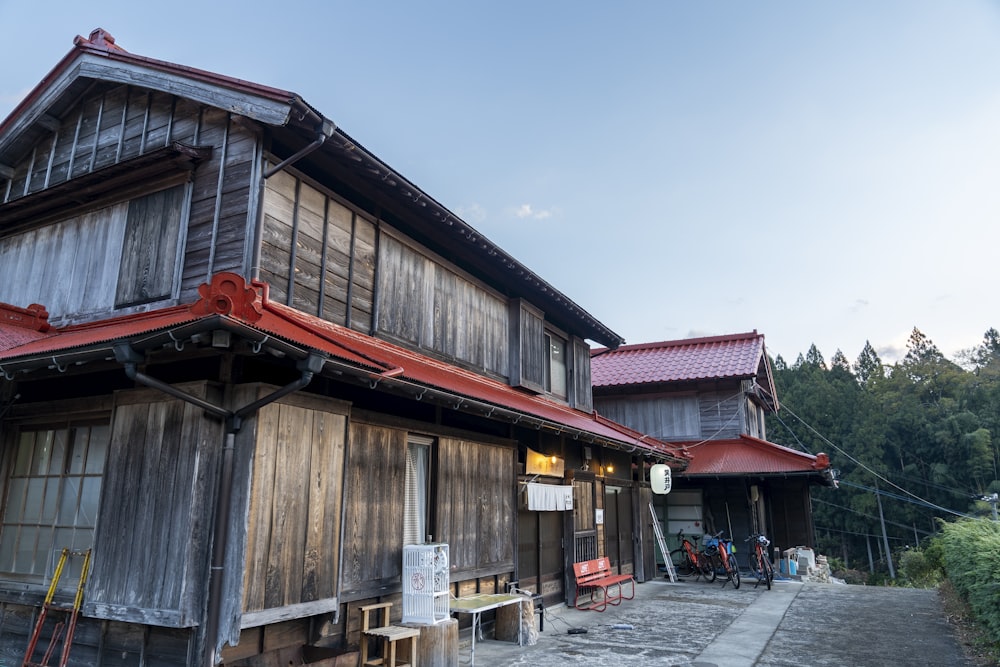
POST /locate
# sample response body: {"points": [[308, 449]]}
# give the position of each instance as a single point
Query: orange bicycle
{"points": [[760, 564], [723, 558], [688, 560]]}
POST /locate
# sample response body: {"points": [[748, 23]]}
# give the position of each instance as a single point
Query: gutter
{"points": [[308, 367]]}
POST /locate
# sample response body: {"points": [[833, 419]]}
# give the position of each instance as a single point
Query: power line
{"points": [[870, 470], [898, 497], [873, 518], [851, 532]]}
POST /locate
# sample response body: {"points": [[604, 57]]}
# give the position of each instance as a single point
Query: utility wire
{"points": [[869, 469], [899, 497], [851, 532], [787, 428], [723, 427], [869, 516]]}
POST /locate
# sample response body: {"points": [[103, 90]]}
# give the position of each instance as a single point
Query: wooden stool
{"points": [[389, 635]]}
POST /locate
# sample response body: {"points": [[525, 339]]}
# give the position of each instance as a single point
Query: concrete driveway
{"points": [[696, 624]]}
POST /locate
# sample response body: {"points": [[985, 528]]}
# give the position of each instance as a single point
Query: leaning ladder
{"points": [[663, 546], [69, 627]]}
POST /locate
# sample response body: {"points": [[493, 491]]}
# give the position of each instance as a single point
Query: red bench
{"points": [[596, 581]]}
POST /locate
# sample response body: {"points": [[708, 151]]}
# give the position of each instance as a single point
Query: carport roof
{"points": [[747, 455]]}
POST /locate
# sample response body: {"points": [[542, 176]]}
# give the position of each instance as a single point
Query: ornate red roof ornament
{"points": [[229, 294], [34, 317], [99, 39]]}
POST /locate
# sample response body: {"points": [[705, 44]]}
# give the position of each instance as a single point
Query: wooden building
{"points": [[709, 396], [243, 362]]}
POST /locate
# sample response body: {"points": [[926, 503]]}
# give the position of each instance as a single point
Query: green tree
{"points": [[815, 358], [868, 367]]}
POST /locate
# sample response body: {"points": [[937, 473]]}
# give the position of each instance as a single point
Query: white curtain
{"points": [[415, 510], [549, 497]]}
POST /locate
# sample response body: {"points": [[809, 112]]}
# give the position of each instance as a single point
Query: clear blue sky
{"points": [[823, 172]]}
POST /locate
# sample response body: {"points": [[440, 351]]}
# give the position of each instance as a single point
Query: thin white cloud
{"points": [[528, 211], [473, 213]]}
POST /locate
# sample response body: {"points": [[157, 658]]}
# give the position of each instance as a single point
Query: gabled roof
{"points": [[229, 303], [294, 124], [746, 455], [733, 356]]}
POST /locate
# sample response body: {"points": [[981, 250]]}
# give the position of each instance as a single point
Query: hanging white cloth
{"points": [[549, 497]]}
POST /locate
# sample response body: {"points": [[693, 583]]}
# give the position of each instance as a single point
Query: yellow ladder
{"points": [[69, 627]]}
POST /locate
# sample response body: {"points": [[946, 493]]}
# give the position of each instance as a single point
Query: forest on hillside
{"points": [[913, 442]]}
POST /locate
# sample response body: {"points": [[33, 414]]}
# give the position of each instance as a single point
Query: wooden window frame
{"points": [[62, 477]]}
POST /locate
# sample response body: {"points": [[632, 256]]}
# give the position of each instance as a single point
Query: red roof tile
{"points": [[22, 325], [731, 356], [748, 455], [230, 299]]}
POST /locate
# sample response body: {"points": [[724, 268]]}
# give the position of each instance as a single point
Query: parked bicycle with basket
{"points": [[688, 560], [722, 555], [758, 562]]}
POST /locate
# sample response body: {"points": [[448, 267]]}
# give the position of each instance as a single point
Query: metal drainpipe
{"points": [[308, 367], [326, 130]]}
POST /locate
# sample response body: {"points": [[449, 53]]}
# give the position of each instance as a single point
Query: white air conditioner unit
{"points": [[426, 594]]}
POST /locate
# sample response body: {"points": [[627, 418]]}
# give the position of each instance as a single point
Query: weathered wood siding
{"points": [[722, 414], [427, 305], [473, 506], [109, 128], [529, 355], [152, 537], [293, 525], [476, 512], [85, 250], [659, 416], [755, 414], [317, 253], [581, 393], [96, 642], [373, 512]]}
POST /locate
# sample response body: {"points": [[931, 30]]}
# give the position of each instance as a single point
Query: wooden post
{"points": [[438, 645], [510, 618]]}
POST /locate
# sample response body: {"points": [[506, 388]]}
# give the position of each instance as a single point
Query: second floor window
{"points": [[555, 365]]}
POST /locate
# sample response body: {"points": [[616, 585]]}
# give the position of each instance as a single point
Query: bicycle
{"points": [[759, 563], [723, 557], [688, 560]]}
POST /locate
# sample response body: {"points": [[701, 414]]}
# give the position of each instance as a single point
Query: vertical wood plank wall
{"points": [[475, 504], [293, 534], [109, 127], [316, 253], [373, 512], [152, 538], [432, 307]]}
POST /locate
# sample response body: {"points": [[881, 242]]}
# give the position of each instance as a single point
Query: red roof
{"points": [[229, 299], [748, 455], [22, 325], [730, 356]]}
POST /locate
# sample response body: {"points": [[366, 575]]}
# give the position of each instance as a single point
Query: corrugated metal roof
{"points": [[229, 299], [730, 356], [748, 455]]}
